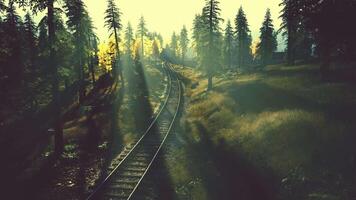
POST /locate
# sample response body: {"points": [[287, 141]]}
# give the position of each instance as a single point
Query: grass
{"points": [[294, 131]]}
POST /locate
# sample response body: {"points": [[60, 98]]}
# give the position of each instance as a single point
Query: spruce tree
{"points": [[30, 37], [199, 30], [155, 49], [13, 66], [76, 13], [113, 23], [129, 39], [268, 40], [37, 6], [228, 45], [174, 45], [184, 42], [211, 35], [243, 38], [142, 32]]}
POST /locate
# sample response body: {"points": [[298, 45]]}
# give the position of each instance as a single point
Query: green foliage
{"points": [[174, 45], [184, 42], [228, 47], [207, 38], [268, 40], [113, 23], [142, 32], [112, 17], [129, 39], [243, 38]]}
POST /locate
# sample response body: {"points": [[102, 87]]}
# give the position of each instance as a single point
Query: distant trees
{"points": [[243, 38], [183, 42], [155, 49], [228, 48], [174, 45], [142, 32], [129, 39], [268, 40], [198, 33], [113, 23]]}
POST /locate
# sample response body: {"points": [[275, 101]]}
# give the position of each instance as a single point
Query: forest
{"points": [[210, 112]]}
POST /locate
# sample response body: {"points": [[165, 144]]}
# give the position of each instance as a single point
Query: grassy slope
{"points": [[289, 134]]}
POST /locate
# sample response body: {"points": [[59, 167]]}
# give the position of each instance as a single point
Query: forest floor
{"points": [[276, 133], [80, 166]]}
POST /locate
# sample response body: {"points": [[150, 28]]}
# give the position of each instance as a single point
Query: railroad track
{"points": [[136, 160]]}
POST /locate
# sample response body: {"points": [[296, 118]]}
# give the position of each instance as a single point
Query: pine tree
{"points": [[13, 66], [228, 45], [155, 49], [268, 40], [142, 32], [30, 52], [243, 38], [199, 30], [113, 23], [212, 36], [36, 6], [184, 42], [30, 37], [174, 45], [76, 13], [129, 39], [290, 20]]}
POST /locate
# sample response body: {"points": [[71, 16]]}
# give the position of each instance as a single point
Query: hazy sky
{"points": [[166, 16]]}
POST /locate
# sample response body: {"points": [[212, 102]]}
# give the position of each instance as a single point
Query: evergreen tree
{"points": [[199, 30], [155, 49], [268, 40], [36, 6], [228, 45], [184, 42], [113, 23], [30, 54], [290, 20], [12, 49], [76, 13], [129, 38], [142, 32], [212, 36], [92, 47], [243, 38], [30, 39], [174, 45]]}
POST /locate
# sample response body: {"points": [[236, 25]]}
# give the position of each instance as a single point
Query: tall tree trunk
{"points": [[118, 62], [58, 127]]}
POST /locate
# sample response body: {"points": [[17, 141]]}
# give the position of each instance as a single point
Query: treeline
{"points": [[40, 60], [221, 50], [312, 29], [230, 48], [322, 26]]}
